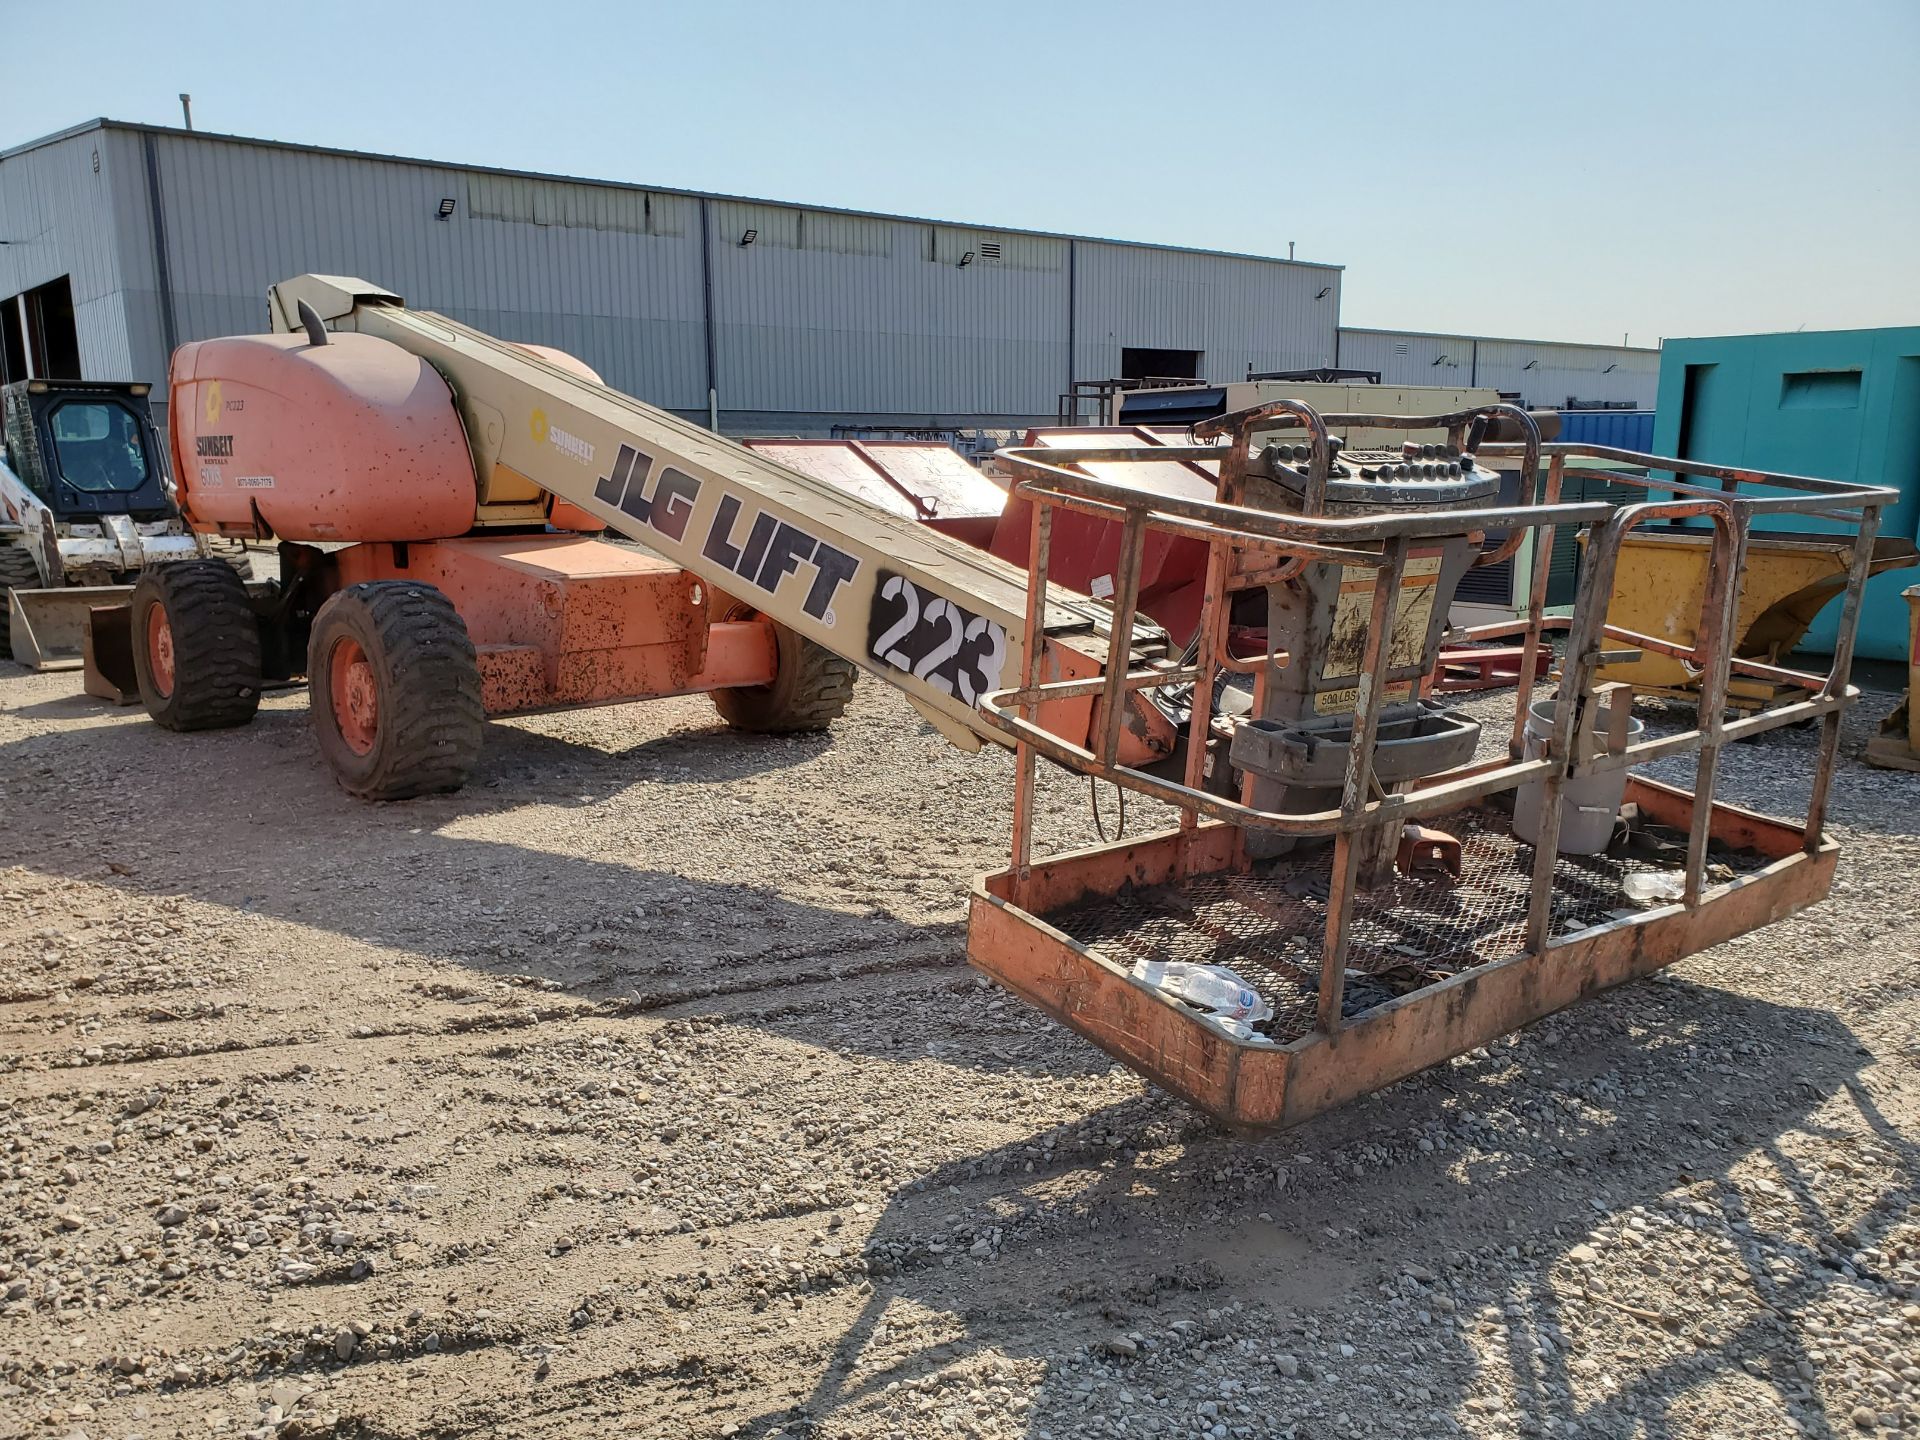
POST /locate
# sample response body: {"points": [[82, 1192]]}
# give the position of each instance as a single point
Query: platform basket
{"points": [[1373, 974]]}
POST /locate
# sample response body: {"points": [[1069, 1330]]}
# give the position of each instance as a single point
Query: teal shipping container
{"points": [[1837, 404]]}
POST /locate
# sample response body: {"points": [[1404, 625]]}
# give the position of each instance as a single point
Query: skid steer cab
{"points": [[86, 504]]}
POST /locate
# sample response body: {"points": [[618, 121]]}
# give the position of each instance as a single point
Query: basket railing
{"points": [[1250, 547]]}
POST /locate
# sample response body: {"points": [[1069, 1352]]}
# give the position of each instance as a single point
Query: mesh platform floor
{"points": [[1268, 925]]}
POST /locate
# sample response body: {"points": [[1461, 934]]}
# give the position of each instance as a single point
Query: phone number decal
{"points": [[932, 639]]}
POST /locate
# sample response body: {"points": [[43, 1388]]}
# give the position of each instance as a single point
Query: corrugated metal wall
{"points": [[239, 217], [1545, 374], [1408, 359], [1238, 313], [1561, 372], [56, 213], [826, 313], [824, 316]]}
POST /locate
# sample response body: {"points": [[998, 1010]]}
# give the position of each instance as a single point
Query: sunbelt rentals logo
{"points": [[567, 443]]}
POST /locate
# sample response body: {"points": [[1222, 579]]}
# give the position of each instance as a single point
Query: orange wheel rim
{"points": [[355, 695], [160, 651]]}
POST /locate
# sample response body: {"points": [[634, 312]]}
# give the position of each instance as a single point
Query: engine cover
{"points": [[352, 440]]}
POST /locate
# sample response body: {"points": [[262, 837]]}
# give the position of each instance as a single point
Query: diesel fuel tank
{"points": [[351, 440]]}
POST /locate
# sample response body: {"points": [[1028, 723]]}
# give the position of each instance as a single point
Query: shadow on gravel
{"points": [[278, 838], [1141, 1215], [64, 707], [1169, 1223], [716, 755], [513, 755]]}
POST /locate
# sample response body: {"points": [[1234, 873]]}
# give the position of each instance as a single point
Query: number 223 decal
{"points": [[932, 639]]}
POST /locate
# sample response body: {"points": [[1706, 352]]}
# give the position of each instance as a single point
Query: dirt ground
{"points": [[642, 1088]]}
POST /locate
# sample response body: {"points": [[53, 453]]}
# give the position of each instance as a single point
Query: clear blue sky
{"points": [[1560, 171]]}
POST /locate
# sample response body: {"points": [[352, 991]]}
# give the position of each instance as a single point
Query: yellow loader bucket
{"points": [[49, 627], [1660, 585]]}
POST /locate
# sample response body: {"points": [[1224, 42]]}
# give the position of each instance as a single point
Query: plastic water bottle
{"points": [[1213, 988]]}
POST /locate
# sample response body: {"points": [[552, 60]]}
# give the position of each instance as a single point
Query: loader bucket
{"points": [[1789, 578], [109, 654], [49, 627]]}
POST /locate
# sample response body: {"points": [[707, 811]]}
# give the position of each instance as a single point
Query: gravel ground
{"points": [[641, 1088]]}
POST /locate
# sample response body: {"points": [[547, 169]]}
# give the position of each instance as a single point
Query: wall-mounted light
{"points": [[1441, 360], [1531, 365], [1325, 290], [446, 207], [966, 260], [748, 238], [1611, 368]]}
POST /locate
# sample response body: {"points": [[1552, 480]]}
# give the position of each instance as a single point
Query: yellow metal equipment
{"points": [[1897, 746], [1789, 578]]}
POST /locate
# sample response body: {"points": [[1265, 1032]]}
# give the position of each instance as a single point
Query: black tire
{"points": [[810, 690], [421, 733], [214, 646], [17, 572], [236, 554]]}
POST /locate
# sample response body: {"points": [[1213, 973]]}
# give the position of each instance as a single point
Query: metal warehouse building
{"points": [[1546, 374], [121, 241], [782, 317]]}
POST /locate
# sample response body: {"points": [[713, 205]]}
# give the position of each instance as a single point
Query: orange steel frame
{"points": [[561, 620], [1273, 1086], [1262, 1084]]}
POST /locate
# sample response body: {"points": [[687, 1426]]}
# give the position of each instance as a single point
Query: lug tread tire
{"points": [[216, 646], [811, 689], [431, 719], [17, 572]]}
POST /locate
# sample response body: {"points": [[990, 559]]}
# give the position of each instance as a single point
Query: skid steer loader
{"points": [[86, 504]]}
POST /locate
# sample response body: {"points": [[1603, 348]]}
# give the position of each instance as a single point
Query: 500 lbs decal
{"points": [[932, 639]]}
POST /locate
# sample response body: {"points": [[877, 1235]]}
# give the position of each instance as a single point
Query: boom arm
{"points": [[928, 614]]}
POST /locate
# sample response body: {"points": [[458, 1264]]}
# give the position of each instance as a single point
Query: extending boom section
{"points": [[939, 619]]}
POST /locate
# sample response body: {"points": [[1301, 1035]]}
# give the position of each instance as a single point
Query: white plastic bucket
{"points": [[1590, 805]]}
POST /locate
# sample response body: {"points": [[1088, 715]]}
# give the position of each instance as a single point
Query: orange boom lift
{"points": [[1350, 859], [434, 492]]}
